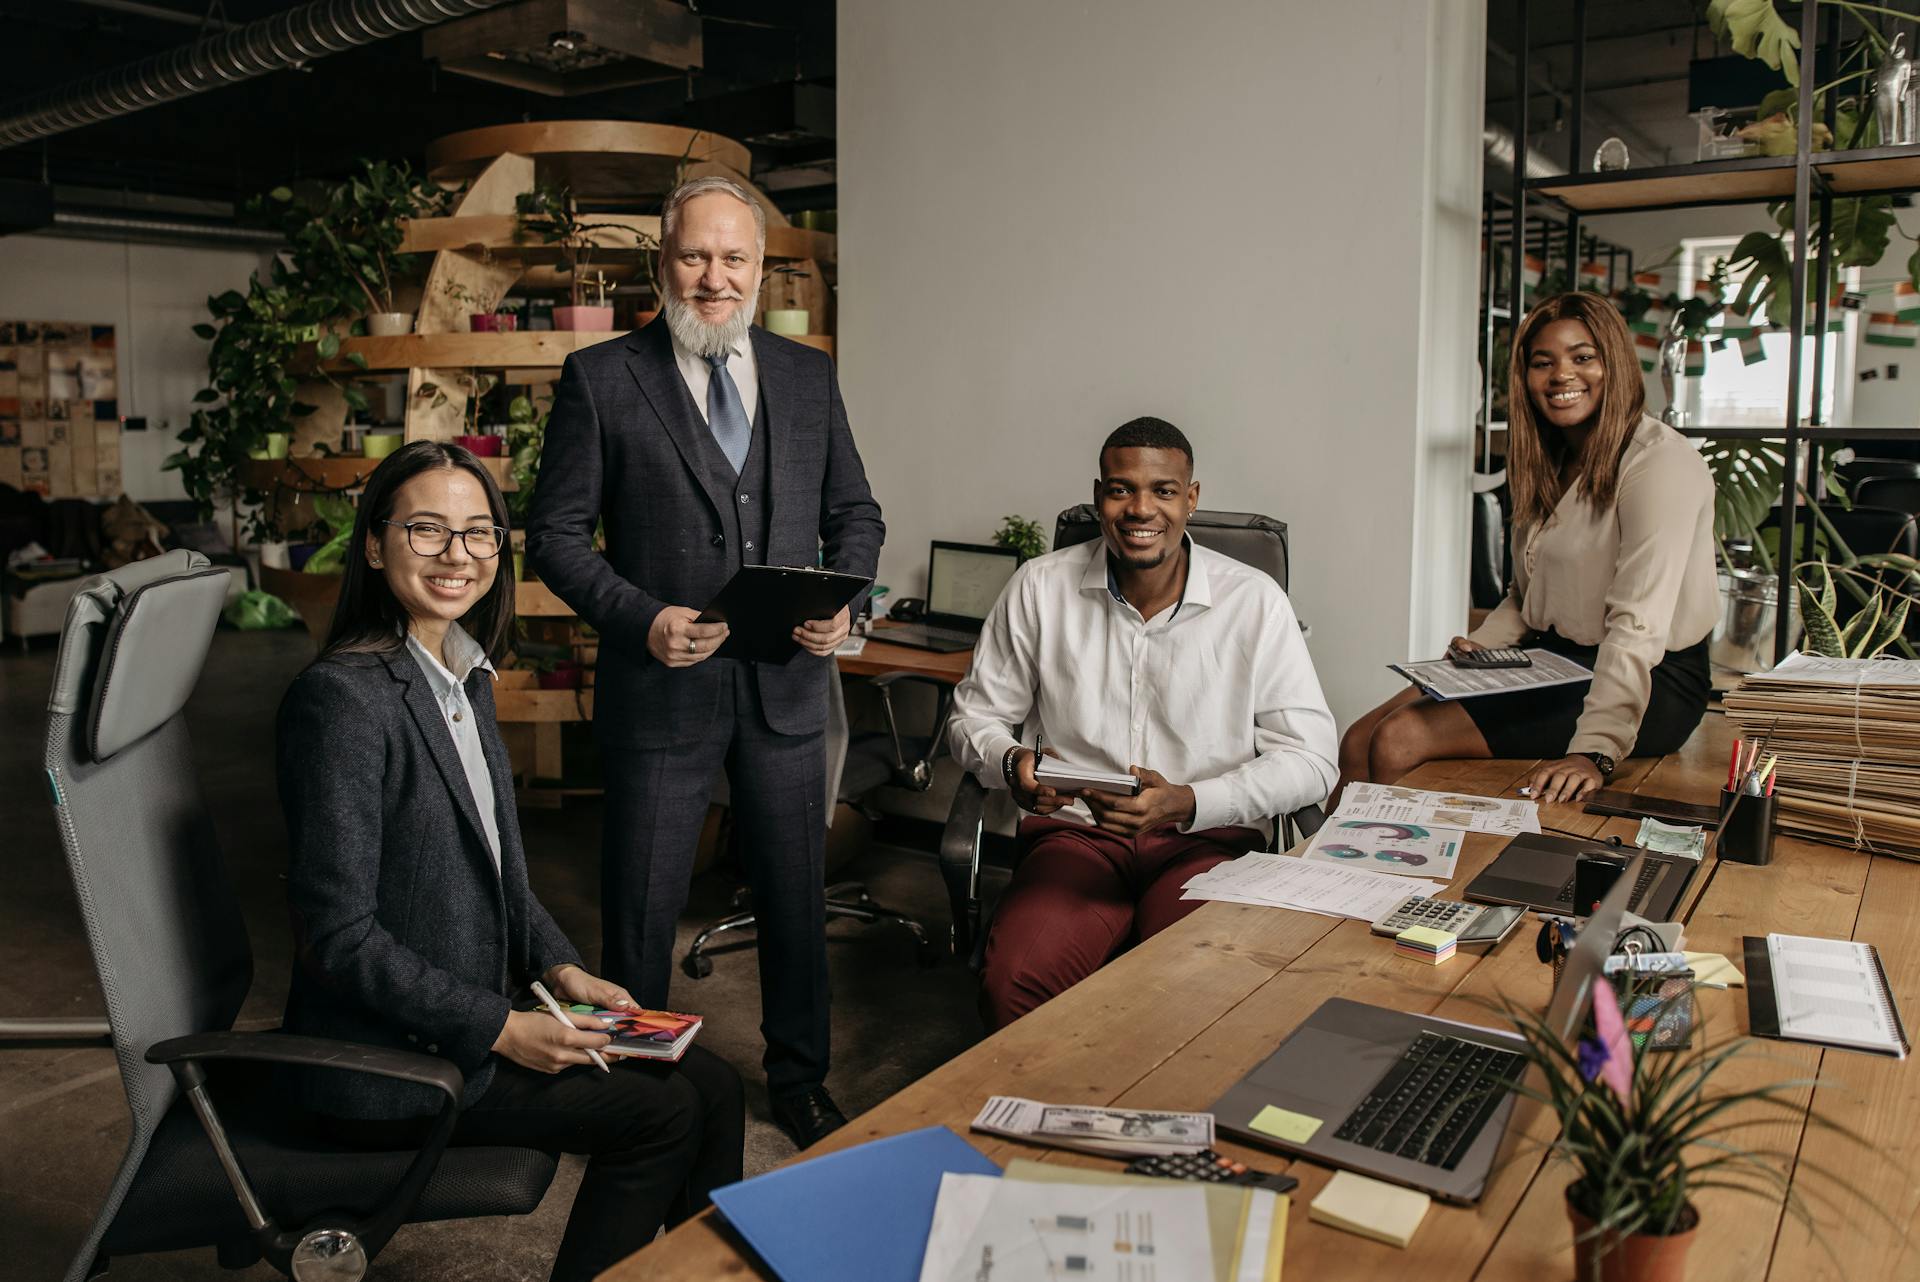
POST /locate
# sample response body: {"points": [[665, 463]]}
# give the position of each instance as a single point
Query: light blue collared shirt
{"points": [[450, 692]]}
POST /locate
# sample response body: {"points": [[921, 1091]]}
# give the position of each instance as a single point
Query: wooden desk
{"points": [[879, 658], [1221, 988]]}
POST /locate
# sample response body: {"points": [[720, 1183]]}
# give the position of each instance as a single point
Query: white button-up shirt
{"points": [[1217, 692], [450, 692], [740, 363]]}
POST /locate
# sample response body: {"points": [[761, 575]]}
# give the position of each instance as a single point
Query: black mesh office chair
{"points": [[1258, 541], [1857, 471], [1487, 577], [1901, 493], [214, 1158], [856, 765]]}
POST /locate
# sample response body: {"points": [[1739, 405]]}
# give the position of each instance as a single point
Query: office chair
{"points": [[1488, 571], [856, 765], [1901, 493], [1258, 541], [214, 1158], [1855, 471]]}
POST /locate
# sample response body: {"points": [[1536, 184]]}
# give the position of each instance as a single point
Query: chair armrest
{"points": [[1302, 823], [960, 860], [54, 1032], [314, 1052], [184, 1055]]}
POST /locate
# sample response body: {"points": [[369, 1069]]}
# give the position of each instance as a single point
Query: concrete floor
{"points": [[63, 1119]]}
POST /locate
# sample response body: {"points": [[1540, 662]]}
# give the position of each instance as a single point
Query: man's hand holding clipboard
{"points": [[770, 612]]}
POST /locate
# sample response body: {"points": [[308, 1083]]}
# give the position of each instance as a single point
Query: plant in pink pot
{"points": [[550, 215]]}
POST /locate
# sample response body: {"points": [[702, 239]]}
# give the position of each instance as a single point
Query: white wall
{"points": [[153, 296], [1257, 220]]}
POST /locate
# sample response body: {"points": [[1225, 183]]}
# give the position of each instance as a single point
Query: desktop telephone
{"points": [[908, 609]]}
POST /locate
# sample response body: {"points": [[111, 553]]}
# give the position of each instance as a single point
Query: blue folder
{"points": [[863, 1212]]}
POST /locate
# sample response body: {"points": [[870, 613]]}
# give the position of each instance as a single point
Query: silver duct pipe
{"points": [[95, 225], [1498, 142], [286, 39]]}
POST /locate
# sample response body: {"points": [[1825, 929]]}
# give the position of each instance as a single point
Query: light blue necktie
{"points": [[726, 416]]}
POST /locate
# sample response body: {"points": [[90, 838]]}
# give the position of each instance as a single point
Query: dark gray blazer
{"points": [[622, 444], [404, 935]]}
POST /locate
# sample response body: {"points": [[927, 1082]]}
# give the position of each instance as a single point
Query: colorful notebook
{"points": [[647, 1034]]}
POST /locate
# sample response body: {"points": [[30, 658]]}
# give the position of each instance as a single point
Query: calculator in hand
{"points": [[1211, 1168], [1467, 923], [1507, 657]]}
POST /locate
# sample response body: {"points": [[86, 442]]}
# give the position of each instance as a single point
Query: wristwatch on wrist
{"points": [[1600, 759]]}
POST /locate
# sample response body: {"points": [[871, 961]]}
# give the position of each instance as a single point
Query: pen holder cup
{"points": [[1746, 834]]}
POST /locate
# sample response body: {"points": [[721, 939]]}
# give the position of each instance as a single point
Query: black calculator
{"points": [[1210, 1167], [1507, 657]]}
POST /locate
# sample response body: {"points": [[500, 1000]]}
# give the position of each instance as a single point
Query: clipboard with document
{"points": [[762, 605]]}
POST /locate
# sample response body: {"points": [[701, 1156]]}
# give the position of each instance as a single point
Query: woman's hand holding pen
{"points": [[542, 1043]]}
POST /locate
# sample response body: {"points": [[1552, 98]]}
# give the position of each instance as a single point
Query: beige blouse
{"points": [[1636, 581]]}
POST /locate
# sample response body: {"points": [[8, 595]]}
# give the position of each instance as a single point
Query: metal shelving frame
{"points": [[1815, 178]]}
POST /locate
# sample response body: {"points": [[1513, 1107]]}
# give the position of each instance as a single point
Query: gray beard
{"points": [[700, 338]]}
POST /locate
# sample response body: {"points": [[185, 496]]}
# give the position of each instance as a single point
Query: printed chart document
{"points": [[1036, 1232], [1378, 845], [1282, 881], [1829, 991], [1132, 1131], [1441, 680], [1438, 809]]}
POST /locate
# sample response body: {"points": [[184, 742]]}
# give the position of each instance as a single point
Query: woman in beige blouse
{"points": [[1613, 566]]}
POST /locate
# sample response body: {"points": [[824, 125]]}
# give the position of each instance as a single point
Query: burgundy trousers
{"points": [[1080, 896]]}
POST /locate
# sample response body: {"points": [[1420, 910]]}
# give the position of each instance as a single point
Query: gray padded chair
{"points": [[1258, 541], [214, 1158]]}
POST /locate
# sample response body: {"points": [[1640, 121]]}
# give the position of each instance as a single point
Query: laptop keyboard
{"points": [[932, 632], [1640, 885], [1431, 1105]]}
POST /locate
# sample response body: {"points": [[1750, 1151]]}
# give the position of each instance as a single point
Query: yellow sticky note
{"points": [[1715, 971], [1294, 1128]]}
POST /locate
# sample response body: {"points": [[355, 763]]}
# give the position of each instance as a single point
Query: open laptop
{"points": [[963, 582], [1414, 1099], [1536, 871]]}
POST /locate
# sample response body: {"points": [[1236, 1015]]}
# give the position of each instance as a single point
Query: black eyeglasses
{"points": [[430, 538]]}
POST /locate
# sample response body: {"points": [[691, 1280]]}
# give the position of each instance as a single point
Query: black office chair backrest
{"points": [[1855, 472], [1901, 493], [1488, 573], [165, 928], [1258, 541]]}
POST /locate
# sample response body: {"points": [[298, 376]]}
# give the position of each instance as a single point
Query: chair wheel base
{"points": [[697, 965]]}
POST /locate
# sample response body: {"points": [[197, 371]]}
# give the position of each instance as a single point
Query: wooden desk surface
{"points": [[879, 657], [1222, 987]]}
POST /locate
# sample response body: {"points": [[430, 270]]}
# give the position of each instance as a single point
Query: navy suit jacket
{"points": [[404, 935], [622, 444]]}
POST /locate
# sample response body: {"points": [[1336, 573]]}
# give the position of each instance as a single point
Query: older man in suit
{"points": [[706, 444]]}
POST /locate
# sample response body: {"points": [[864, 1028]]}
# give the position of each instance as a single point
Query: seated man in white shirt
{"points": [[1139, 653]]}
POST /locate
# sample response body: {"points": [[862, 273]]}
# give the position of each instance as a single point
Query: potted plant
{"points": [[482, 317], [1023, 536], [550, 214], [1644, 1132], [475, 386]]}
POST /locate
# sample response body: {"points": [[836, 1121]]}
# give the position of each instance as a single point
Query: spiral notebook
{"points": [[1831, 992]]}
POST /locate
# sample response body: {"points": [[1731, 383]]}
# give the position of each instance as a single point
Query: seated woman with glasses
{"points": [[1613, 567], [414, 924]]}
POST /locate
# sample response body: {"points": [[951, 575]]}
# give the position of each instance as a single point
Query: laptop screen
{"points": [[965, 579]]}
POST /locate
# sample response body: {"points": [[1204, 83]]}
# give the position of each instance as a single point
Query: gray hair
{"points": [[686, 191]]}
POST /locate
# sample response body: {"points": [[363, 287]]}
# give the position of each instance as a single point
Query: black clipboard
{"points": [[762, 605]]}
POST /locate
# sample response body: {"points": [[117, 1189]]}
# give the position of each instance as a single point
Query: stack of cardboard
{"points": [[1847, 732]]}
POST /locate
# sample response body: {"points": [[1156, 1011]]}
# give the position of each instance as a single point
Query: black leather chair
{"points": [[1901, 493], [856, 766], [1258, 541], [1856, 471], [1487, 582], [214, 1158]]}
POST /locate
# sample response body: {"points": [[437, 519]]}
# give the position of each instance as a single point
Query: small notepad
{"points": [[1384, 1212]]}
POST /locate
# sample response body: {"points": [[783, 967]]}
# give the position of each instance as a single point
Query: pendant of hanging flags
{"points": [[1531, 270], [1752, 352], [1906, 301], [1736, 324], [1593, 277], [1648, 346], [1696, 362], [1886, 329]]}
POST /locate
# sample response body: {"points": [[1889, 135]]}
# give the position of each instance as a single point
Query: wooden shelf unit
{"points": [[493, 234], [1737, 181], [340, 472], [536, 349]]}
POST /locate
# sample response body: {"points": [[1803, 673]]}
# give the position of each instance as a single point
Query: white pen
{"points": [[540, 991]]}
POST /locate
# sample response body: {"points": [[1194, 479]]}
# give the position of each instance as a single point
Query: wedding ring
{"points": [[693, 647]]}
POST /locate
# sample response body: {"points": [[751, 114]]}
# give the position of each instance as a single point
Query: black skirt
{"points": [[1540, 723]]}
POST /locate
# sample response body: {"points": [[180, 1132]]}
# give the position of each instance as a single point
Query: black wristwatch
{"points": [[1601, 760]]}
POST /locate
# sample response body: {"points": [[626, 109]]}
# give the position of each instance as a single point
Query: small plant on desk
{"points": [[1021, 535]]}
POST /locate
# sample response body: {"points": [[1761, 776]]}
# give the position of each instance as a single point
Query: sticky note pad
{"points": [[1384, 1212], [1425, 936], [1715, 971], [1294, 1128]]}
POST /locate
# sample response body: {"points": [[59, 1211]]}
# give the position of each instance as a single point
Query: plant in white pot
{"points": [[551, 215]]}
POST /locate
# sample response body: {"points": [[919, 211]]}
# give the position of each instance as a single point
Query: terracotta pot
{"points": [[481, 446], [597, 320], [1640, 1257]]}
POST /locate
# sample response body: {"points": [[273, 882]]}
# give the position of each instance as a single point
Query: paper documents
{"points": [[1817, 669], [1403, 849], [1282, 881], [1438, 809], [1036, 1232], [1115, 1131], [1442, 680]]}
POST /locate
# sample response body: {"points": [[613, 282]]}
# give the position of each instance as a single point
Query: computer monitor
{"points": [[965, 579]]}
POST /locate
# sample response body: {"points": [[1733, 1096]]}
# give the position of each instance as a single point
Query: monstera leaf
{"points": [[1757, 30]]}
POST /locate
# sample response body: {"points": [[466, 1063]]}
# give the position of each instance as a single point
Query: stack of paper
{"points": [[1282, 881], [1384, 1212], [1847, 733], [1390, 803], [1129, 1132]]}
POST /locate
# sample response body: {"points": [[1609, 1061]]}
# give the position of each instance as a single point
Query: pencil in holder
{"points": [[1746, 829]]}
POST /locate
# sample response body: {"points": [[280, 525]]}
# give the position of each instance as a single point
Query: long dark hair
{"points": [[1535, 448], [368, 619]]}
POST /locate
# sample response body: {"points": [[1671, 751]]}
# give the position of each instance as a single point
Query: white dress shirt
{"points": [[450, 692], [1217, 692], [740, 363]]}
